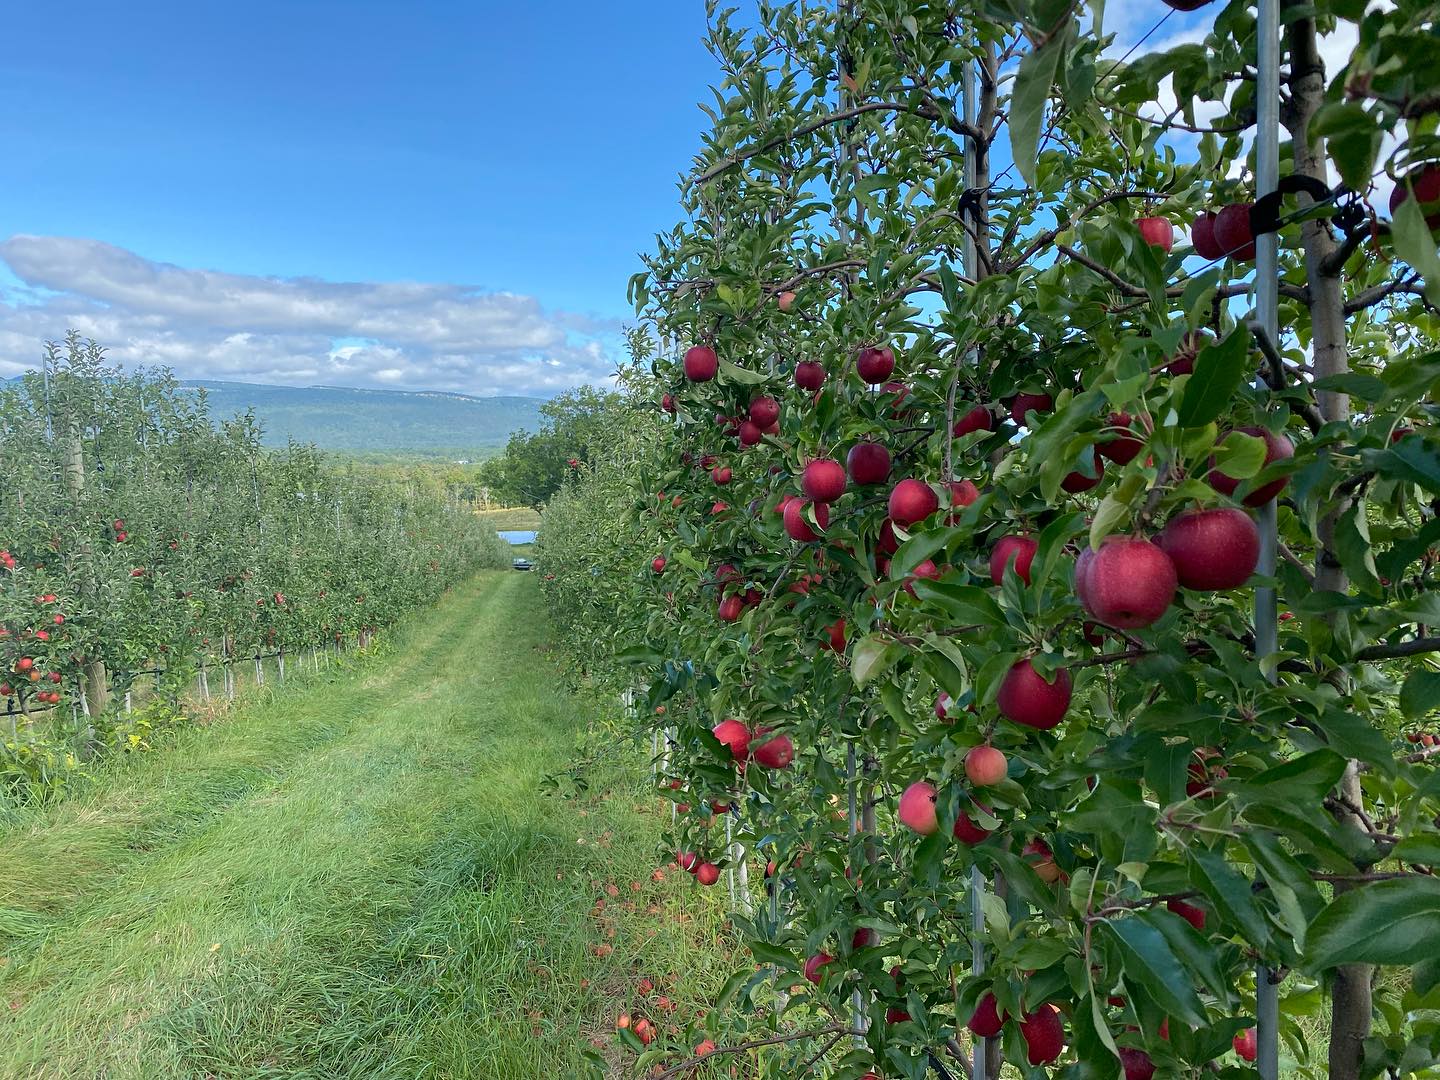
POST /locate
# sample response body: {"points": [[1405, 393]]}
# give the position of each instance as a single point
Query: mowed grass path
{"points": [[360, 878]]}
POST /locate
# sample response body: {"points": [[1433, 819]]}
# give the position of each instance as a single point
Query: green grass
{"points": [[516, 517], [359, 878]]}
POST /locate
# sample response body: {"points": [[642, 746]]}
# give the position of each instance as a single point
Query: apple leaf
{"points": [[1416, 246], [1027, 104], [1239, 455], [1383, 922], [736, 374], [873, 656], [1152, 963], [1420, 694], [1219, 370], [1352, 137], [1231, 894]]}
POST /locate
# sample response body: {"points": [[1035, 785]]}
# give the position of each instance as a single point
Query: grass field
{"points": [[517, 517], [361, 877]]}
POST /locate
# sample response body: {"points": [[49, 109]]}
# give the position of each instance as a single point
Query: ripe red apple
{"points": [[1016, 550], [1212, 549], [823, 480], [707, 873], [1044, 1035], [984, 766], [730, 608], [1202, 235], [658, 564], [701, 363], [667, 402], [1128, 583], [776, 753], [926, 570], [1042, 860], [735, 735], [1157, 232], [886, 542], [912, 501], [1136, 1063], [809, 375], [1195, 916], [1277, 448], [1246, 1044], [1026, 698], [868, 463], [1202, 775], [1025, 403], [764, 411], [688, 861], [977, 419], [942, 708], [706, 1047], [895, 1015], [1118, 445], [721, 474], [917, 808], [814, 964], [986, 1022], [863, 938], [797, 528], [835, 637], [1076, 482], [967, 830], [784, 300], [1233, 232], [962, 493], [875, 363], [1424, 183], [25, 663]]}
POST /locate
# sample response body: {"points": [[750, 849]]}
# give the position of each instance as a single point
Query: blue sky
{"points": [[523, 148]]}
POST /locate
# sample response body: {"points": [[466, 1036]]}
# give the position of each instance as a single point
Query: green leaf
{"points": [[1027, 104], [1352, 137], [734, 373], [1151, 962], [1197, 953], [1420, 695], [1219, 370], [773, 954], [1306, 778], [1354, 736], [1240, 455], [1414, 244], [1383, 922], [966, 603], [1230, 892], [873, 656]]}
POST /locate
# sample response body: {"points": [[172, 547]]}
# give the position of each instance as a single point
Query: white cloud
{"points": [[211, 324]]}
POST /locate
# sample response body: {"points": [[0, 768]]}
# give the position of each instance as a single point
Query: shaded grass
{"points": [[358, 879]]}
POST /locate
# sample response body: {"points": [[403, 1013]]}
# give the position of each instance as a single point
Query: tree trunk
{"points": [[1350, 995], [97, 680]]}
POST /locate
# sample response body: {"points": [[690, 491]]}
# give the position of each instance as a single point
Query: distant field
{"points": [[515, 517]]}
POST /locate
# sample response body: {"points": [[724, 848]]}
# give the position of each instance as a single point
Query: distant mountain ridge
{"points": [[352, 419]]}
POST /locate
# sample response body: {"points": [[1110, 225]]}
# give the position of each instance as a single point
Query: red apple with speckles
{"points": [[977, 419], [1246, 1044], [823, 480], [1119, 445], [809, 375], [868, 463], [1424, 182], [917, 808], [985, 766], [1212, 549], [735, 736], [875, 363], [1044, 1035], [1157, 232], [774, 753], [764, 411], [986, 1022], [701, 363], [1026, 403], [1018, 551], [797, 527], [1026, 698], [912, 501], [707, 873], [1137, 1064], [1076, 482], [1129, 583], [967, 830]]}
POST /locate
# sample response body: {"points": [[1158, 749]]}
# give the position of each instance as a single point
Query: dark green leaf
{"points": [[1229, 891], [1151, 962], [1382, 922], [1420, 695], [1219, 370], [1027, 104]]}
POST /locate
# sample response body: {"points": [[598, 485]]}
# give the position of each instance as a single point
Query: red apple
{"points": [[1042, 860], [764, 411], [667, 402], [1044, 1035], [863, 938], [688, 860], [1022, 404], [1202, 235], [1233, 232], [823, 480], [1157, 232], [775, 753], [1212, 549], [1128, 583], [917, 808], [912, 501], [1277, 448], [721, 474], [707, 873], [875, 363], [1246, 1044], [701, 363], [730, 608], [1118, 445], [984, 766], [887, 543], [809, 375], [986, 1022], [797, 528], [734, 735], [814, 964], [1076, 482], [977, 419], [1026, 698], [784, 300], [868, 463], [658, 563], [966, 830], [1424, 184], [750, 433], [1136, 1063], [1195, 916], [1018, 551]]}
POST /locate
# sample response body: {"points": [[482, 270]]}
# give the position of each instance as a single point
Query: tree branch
{"points": [[797, 1036], [1373, 296], [1276, 378], [1414, 647]]}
